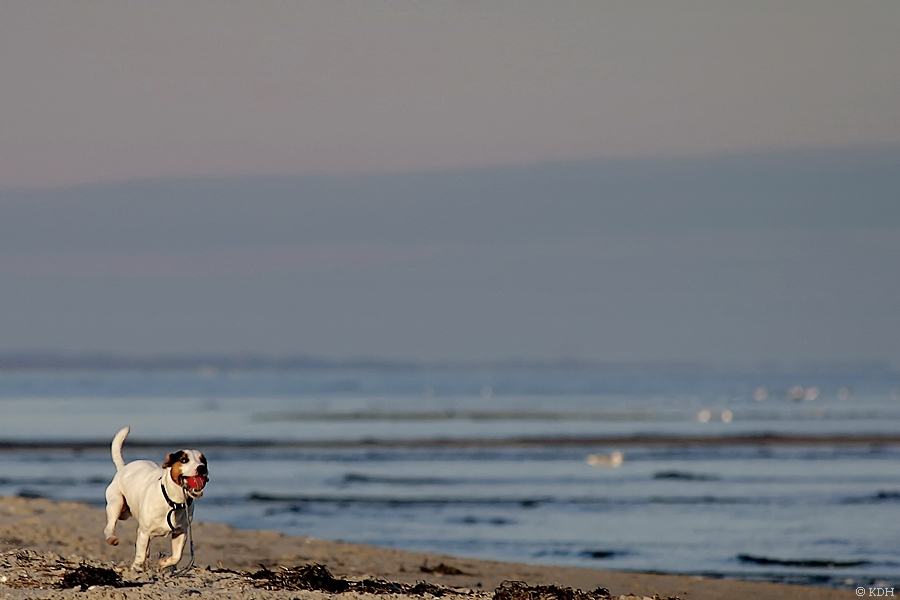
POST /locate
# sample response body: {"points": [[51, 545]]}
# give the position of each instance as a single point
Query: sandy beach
{"points": [[41, 541]]}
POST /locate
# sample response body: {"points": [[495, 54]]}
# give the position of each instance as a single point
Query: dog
{"points": [[159, 498]]}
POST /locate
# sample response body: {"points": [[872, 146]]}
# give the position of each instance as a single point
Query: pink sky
{"points": [[97, 91]]}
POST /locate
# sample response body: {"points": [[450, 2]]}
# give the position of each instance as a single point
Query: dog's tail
{"points": [[117, 447]]}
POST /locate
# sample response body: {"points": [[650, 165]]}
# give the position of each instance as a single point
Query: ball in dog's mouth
{"points": [[196, 483]]}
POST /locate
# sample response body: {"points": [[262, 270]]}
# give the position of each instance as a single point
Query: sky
{"points": [[632, 181], [106, 90]]}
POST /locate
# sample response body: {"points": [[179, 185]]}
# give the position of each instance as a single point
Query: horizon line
{"points": [[249, 361], [748, 152]]}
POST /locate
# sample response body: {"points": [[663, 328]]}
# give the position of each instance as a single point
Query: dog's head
{"points": [[188, 469]]}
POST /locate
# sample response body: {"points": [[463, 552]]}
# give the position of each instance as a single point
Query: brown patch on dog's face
{"points": [[174, 461], [173, 458], [175, 473]]}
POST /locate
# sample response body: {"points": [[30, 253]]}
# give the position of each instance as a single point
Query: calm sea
{"points": [[493, 463]]}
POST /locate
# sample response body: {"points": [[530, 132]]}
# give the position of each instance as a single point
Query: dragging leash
{"points": [[190, 540], [173, 506]]}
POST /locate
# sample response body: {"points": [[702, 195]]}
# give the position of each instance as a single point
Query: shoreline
{"points": [[55, 529]]}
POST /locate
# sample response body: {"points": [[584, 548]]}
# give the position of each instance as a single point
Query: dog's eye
{"points": [[184, 459]]}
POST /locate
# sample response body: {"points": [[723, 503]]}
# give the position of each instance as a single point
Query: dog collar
{"points": [[173, 506]]}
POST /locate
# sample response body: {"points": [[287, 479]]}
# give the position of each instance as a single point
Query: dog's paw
{"points": [[112, 540]]}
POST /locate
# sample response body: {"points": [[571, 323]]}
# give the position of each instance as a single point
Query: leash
{"points": [[190, 539], [173, 506]]}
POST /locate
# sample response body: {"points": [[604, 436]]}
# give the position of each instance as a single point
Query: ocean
{"points": [[494, 462]]}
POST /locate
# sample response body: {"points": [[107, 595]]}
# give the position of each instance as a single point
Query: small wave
{"points": [[593, 554], [704, 500], [361, 478], [396, 501], [457, 415], [524, 502], [602, 554], [30, 494], [812, 563], [684, 476], [38, 481], [877, 498], [472, 520]]}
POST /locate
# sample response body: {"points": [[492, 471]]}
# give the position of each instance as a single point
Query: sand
{"points": [[42, 540]]}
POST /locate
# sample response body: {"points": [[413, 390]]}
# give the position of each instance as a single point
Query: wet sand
{"points": [[41, 540]]}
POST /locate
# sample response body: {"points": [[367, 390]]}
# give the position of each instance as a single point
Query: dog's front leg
{"points": [[141, 548], [177, 551]]}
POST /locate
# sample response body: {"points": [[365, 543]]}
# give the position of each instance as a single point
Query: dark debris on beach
{"points": [[24, 568], [307, 577], [86, 576], [317, 577], [441, 569], [519, 590]]}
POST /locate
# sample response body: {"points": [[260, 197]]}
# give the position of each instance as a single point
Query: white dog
{"points": [[160, 498]]}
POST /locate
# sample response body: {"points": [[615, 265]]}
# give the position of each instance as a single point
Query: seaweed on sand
{"points": [[519, 590], [441, 569], [306, 577], [317, 577], [86, 576]]}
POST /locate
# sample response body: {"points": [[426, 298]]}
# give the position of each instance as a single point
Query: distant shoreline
{"points": [[593, 441]]}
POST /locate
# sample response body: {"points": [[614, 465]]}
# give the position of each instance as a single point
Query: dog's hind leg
{"points": [[115, 509]]}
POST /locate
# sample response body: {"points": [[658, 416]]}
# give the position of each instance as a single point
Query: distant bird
{"points": [[613, 459]]}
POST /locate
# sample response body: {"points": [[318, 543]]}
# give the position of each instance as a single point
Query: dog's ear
{"points": [[173, 458]]}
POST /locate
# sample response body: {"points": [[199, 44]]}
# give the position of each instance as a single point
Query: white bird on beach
{"points": [[614, 459]]}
